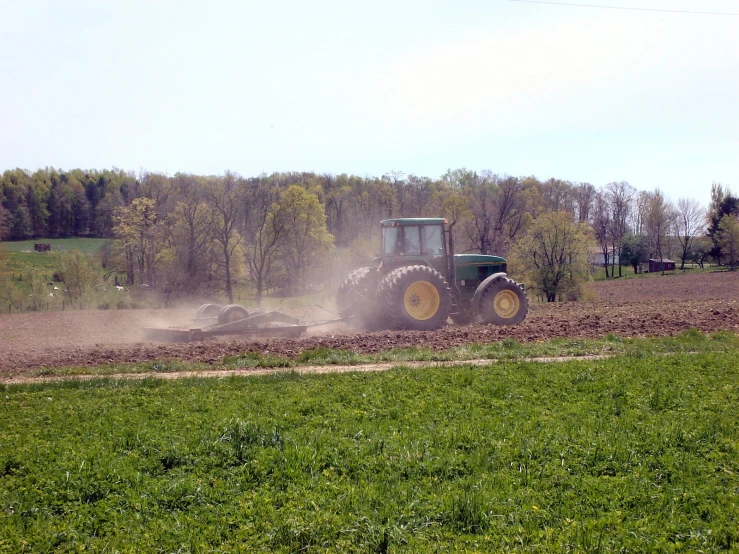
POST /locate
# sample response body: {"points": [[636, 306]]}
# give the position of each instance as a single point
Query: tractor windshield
{"points": [[413, 240]]}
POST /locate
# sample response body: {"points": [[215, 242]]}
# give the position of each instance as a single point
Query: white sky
{"points": [[366, 87]]}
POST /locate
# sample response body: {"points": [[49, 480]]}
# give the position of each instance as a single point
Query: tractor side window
{"points": [[432, 241], [411, 241], [391, 241]]}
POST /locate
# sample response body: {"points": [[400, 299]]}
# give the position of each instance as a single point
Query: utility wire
{"points": [[623, 8]]}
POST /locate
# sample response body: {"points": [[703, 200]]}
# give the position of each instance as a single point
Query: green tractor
{"points": [[418, 282]]}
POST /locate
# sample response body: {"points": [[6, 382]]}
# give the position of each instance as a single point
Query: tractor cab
{"points": [[413, 240]]}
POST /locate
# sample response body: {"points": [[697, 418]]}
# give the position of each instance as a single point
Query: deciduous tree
{"points": [[688, 224], [728, 239], [307, 242], [659, 217], [635, 250], [225, 254], [265, 230], [137, 235], [553, 255], [620, 196], [79, 277]]}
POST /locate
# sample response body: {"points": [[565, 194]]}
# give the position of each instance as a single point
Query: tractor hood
{"points": [[476, 259]]}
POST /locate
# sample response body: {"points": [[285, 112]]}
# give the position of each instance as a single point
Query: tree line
{"points": [[189, 235]]}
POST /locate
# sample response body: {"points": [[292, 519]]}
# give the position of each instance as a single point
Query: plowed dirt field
{"points": [[651, 306]]}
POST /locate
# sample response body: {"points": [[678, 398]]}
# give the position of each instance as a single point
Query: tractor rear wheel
{"points": [[355, 299], [415, 297], [504, 302]]}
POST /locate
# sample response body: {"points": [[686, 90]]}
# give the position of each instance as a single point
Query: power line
{"points": [[622, 8]]}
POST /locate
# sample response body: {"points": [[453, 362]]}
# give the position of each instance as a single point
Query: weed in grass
{"points": [[509, 343], [467, 512]]}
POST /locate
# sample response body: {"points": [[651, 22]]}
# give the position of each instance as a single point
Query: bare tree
{"points": [[265, 229], [659, 217], [480, 230], [602, 225], [688, 223], [584, 195], [639, 213], [223, 200], [620, 196]]}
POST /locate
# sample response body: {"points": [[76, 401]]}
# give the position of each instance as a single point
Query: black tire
{"points": [[415, 297], [356, 299], [207, 311], [504, 302], [231, 313]]}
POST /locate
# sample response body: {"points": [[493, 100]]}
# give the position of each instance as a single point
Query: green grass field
{"points": [[84, 245], [630, 454], [24, 273]]}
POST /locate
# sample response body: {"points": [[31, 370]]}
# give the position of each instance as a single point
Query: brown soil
{"points": [[652, 306]]}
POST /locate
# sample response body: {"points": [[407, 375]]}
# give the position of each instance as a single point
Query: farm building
{"points": [[660, 265]]}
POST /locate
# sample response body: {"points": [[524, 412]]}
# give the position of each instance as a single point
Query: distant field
{"points": [[633, 454], [85, 245], [20, 266]]}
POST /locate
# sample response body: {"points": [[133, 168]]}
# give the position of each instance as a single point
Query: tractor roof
{"points": [[412, 221]]}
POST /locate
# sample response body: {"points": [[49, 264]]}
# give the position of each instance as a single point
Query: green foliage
{"points": [[307, 243], [635, 250], [624, 455], [728, 239], [79, 276], [553, 256]]}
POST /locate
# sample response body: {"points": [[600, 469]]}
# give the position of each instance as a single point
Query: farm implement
{"points": [[214, 320]]}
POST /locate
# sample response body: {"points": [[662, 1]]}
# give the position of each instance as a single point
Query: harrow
{"points": [[213, 320]]}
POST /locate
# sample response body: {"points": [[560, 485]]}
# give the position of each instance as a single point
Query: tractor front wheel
{"points": [[504, 302], [415, 297]]}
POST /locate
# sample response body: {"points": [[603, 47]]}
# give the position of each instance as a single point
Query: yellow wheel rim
{"points": [[421, 300], [506, 304]]}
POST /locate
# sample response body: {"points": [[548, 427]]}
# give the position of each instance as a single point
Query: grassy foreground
{"points": [[633, 454]]}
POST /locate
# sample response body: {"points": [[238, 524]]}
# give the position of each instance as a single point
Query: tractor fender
{"points": [[482, 286]]}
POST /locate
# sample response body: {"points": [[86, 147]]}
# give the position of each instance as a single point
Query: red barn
{"points": [[657, 265]]}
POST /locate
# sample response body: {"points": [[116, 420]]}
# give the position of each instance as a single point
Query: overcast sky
{"points": [[368, 87]]}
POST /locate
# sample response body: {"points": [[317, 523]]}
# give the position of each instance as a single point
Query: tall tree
{"points": [[265, 230], [620, 196], [688, 224], [224, 205], [728, 238], [659, 217], [307, 242], [184, 263], [138, 237], [584, 195], [723, 203], [602, 226]]}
